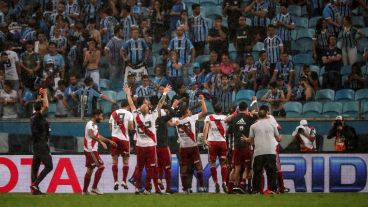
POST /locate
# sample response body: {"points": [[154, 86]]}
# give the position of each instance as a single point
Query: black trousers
{"points": [[46, 159], [267, 162], [199, 48]]}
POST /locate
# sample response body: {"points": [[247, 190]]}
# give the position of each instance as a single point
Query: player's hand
{"points": [[103, 145], [201, 97], [175, 103], [244, 139], [205, 142], [113, 143], [127, 90]]}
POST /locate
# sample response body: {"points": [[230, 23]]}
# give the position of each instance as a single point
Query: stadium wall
{"points": [[302, 173]]}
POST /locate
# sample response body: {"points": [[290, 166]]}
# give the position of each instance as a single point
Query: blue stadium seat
{"points": [[304, 33], [365, 108], [303, 59], [171, 94], [293, 109], [303, 45], [344, 95], [362, 44], [105, 106], [202, 58], [110, 94], [315, 68], [357, 21], [209, 23], [313, 22], [325, 95], [208, 3], [260, 93], [117, 85], [364, 69], [300, 22], [332, 109], [120, 96], [51, 110], [209, 105], [104, 84], [365, 30], [345, 69], [213, 11], [361, 95], [244, 95], [258, 46], [232, 47], [232, 55], [294, 34], [295, 10], [350, 109], [312, 109]]}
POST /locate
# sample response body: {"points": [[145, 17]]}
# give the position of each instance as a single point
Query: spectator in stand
{"points": [[145, 90], [135, 54], [274, 46], [41, 45], [276, 98], [8, 100], [315, 7], [174, 70], [198, 30], [285, 69], [320, 40], [233, 10], [346, 139], [132, 83], [332, 62], [207, 65], [90, 91], [68, 101], [198, 75], [157, 16], [126, 22], [90, 11], [10, 65], [182, 46], [224, 94], [91, 61], [72, 9], [311, 76], [259, 10], [248, 72], [213, 79], [356, 79], [303, 92], [160, 78], [184, 22], [30, 65], [345, 7], [244, 40], [237, 78], [305, 136], [26, 99], [332, 17], [112, 51], [58, 69], [164, 56], [217, 37], [61, 41], [284, 24], [349, 44], [95, 34], [61, 109], [107, 25], [263, 73], [176, 9], [226, 64]]}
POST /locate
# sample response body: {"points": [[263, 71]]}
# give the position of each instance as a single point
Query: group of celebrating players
{"points": [[149, 125]]}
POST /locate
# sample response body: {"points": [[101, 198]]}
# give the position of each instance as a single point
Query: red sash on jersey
{"points": [[119, 122], [144, 128], [187, 131], [219, 125]]}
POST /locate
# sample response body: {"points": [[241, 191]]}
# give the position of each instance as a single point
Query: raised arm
{"points": [[205, 132], [163, 98], [128, 92], [203, 107]]}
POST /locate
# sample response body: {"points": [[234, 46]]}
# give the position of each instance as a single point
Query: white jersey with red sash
{"points": [[217, 127], [119, 121], [90, 145], [145, 128], [186, 131]]}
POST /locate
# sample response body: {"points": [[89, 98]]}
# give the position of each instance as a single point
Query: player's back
{"points": [[240, 124], [119, 121], [186, 131], [217, 127], [145, 125], [89, 143]]}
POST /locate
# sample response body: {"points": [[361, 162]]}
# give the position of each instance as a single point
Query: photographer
{"points": [[305, 136], [346, 139]]}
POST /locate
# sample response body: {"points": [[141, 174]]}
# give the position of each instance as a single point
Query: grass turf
{"points": [[192, 200]]}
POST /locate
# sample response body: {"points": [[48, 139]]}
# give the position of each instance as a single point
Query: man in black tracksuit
{"points": [[163, 150], [41, 151]]}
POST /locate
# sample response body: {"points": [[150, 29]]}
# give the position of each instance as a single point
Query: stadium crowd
{"points": [[230, 51]]}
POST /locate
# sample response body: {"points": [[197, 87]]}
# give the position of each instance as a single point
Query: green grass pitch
{"points": [[192, 200]]}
